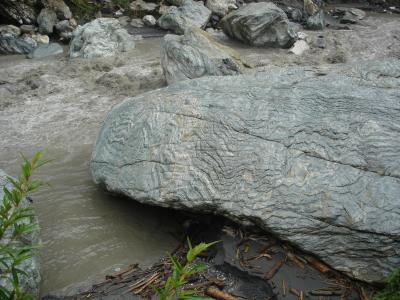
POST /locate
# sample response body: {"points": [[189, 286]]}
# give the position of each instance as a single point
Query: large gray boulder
{"points": [[260, 24], [313, 158], [196, 54], [31, 283], [189, 14], [102, 37]]}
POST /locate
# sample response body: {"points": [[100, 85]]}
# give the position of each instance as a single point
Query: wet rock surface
{"points": [[189, 14], [102, 37], [260, 24], [196, 54], [302, 154]]}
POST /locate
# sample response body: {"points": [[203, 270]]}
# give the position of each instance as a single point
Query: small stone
{"points": [[302, 35], [124, 21], [299, 47], [320, 42], [39, 38], [118, 13], [149, 20], [164, 9], [28, 29], [137, 23]]}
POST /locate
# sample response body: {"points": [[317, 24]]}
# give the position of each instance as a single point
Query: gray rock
{"points": [[313, 159], [65, 29], [260, 24], [124, 21], [102, 37], [196, 54], [38, 38], [221, 7], [16, 45], [164, 8], [312, 7], [137, 23], [299, 47], [28, 284], [149, 20], [189, 14], [143, 8], [47, 19], [296, 15], [30, 29], [46, 50], [21, 12], [9, 30], [352, 15], [316, 22], [59, 7]]}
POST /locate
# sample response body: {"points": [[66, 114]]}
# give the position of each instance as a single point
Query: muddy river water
{"points": [[58, 105]]}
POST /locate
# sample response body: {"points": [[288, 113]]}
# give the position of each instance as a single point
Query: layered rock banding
{"points": [[309, 156], [189, 14], [196, 54], [260, 24]]}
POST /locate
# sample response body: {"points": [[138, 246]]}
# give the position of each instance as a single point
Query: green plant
{"points": [[84, 10], [17, 223], [392, 289], [174, 286]]}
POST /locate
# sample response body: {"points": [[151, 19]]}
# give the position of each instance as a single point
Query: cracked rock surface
{"points": [[311, 157]]}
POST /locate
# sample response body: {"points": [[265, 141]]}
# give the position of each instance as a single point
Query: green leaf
{"points": [[176, 264], [194, 252], [36, 157], [26, 170], [34, 185], [197, 268]]}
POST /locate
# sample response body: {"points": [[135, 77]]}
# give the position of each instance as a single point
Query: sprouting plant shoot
{"points": [[174, 287], [16, 224]]}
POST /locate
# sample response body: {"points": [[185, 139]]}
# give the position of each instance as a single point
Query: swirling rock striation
{"points": [[196, 54], [312, 157], [260, 24]]}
